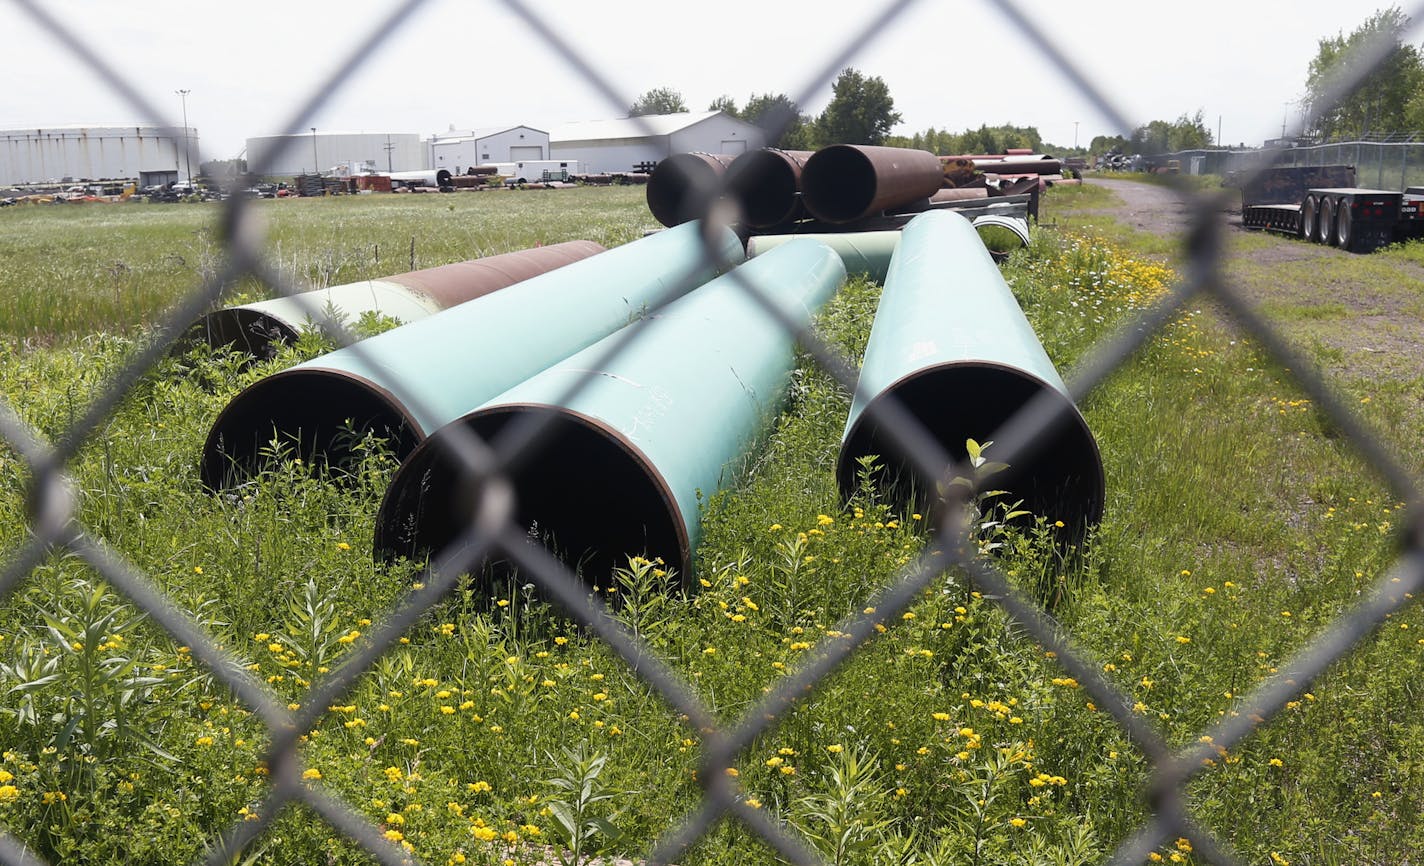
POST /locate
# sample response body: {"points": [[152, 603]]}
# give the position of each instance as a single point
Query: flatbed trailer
{"points": [[1352, 218]]}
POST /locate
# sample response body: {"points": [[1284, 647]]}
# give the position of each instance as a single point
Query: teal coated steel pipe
{"points": [[259, 327], [452, 362], [952, 346], [865, 253], [666, 421]]}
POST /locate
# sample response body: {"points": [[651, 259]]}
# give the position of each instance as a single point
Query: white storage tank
{"points": [[149, 154]]}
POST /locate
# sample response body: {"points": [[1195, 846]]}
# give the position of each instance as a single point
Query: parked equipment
{"points": [[1321, 204], [437, 177], [259, 327], [952, 347], [666, 421], [409, 381]]}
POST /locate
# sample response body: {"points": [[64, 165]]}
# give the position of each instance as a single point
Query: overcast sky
{"points": [[948, 63]]}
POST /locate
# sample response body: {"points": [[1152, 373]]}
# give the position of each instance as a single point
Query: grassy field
{"points": [[1239, 525], [72, 271]]}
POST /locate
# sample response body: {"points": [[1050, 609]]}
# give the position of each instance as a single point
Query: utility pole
{"points": [[316, 165], [1075, 135], [389, 147], [187, 155], [1284, 115]]}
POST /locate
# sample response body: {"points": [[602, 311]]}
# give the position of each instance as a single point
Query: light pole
{"points": [[1285, 114], [316, 166], [187, 156]]}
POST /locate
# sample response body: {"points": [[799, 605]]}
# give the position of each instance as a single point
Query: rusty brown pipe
{"points": [[846, 182], [766, 183], [684, 185], [260, 327]]}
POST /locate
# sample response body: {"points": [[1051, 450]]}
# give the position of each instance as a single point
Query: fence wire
{"points": [[54, 528]]}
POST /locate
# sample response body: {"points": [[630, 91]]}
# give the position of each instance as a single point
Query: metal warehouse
{"points": [[622, 144], [306, 152], [148, 154], [457, 150]]}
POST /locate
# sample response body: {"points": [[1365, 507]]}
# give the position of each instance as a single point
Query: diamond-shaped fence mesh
{"points": [[492, 533]]}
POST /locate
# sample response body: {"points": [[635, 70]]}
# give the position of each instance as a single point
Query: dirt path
{"points": [[1367, 311]]}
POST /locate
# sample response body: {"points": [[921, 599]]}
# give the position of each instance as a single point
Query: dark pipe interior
{"points": [[682, 188], [308, 410], [1062, 480], [766, 185], [838, 184], [586, 494], [251, 331]]}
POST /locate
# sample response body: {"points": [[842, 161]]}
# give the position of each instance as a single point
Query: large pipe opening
{"points": [[588, 494], [257, 333], [683, 186], [766, 183], [838, 184], [315, 414], [1061, 480]]}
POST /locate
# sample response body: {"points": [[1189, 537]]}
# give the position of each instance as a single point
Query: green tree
{"points": [[1378, 99], [1161, 136], [781, 119], [659, 100], [861, 111], [725, 104], [1101, 144]]}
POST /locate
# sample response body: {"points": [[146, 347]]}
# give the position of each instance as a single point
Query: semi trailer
{"points": [[1321, 204]]}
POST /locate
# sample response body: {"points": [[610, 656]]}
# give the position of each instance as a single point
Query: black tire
{"points": [[1344, 226], [1325, 226], [1309, 217]]}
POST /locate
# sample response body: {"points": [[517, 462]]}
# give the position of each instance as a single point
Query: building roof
{"points": [[482, 132], [629, 127]]}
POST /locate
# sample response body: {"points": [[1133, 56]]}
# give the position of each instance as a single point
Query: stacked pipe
{"points": [[952, 348], [257, 328], [684, 186], [664, 420], [407, 382], [767, 184], [836, 189]]}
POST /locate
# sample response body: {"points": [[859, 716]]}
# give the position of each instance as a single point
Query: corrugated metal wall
{"points": [[96, 152]]}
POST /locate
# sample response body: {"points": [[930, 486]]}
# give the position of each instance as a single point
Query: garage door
{"points": [[526, 152], [734, 146]]}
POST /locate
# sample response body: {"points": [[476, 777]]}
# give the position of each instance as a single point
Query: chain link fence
{"points": [[53, 526], [1379, 165]]}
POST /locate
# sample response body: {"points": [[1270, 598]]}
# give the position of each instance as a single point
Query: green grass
{"points": [[66, 271], [1239, 526]]}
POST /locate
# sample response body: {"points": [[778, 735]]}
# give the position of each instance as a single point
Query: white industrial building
{"points": [[303, 153], [622, 144], [457, 150], [148, 154]]}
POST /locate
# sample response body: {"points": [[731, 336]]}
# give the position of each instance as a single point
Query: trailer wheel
{"points": [[1309, 218], [1344, 227], [1325, 226]]}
